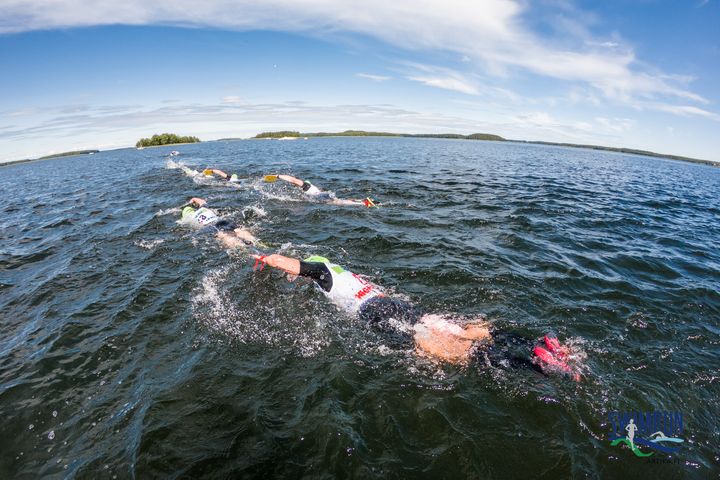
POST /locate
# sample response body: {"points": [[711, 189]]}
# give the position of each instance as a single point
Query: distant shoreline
{"points": [[485, 137], [630, 151], [360, 133], [75, 153]]}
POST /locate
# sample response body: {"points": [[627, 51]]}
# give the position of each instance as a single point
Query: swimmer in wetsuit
{"points": [[434, 336], [313, 191], [209, 172], [197, 213]]}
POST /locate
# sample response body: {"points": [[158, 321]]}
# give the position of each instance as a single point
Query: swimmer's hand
{"points": [[199, 202]]}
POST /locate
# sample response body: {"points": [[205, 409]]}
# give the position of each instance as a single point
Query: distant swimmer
{"points": [[434, 336], [209, 172], [197, 213], [313, 191]]}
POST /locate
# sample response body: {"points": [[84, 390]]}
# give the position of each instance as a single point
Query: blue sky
{"points": [[84, 74]]}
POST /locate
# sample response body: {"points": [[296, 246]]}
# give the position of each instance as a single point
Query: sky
{"points": [[82, 74]]}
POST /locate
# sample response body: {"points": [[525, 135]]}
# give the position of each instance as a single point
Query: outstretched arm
{"points": [[291, 179], [215, 171], [286, 264]]}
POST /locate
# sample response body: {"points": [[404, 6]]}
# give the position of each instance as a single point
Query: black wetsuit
{"points": [[507, 349]]}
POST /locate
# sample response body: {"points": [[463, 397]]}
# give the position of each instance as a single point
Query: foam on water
{"points": [[149, 244], [217, 309]]}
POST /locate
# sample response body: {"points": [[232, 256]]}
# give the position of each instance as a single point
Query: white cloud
{"points": [[447, 83], [618, 125], [686, 111], [441, 77], [492, 34], [374, 78], [233, 100], [606, 44]]}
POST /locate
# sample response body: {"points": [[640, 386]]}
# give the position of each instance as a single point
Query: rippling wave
{"points": [[133, 346]]}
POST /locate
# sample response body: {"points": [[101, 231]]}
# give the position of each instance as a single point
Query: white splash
{"points": [[148, 244], [168, 211]]}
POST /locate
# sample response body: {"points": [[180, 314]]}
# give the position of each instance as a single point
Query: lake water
{"points": [[132, 346]]}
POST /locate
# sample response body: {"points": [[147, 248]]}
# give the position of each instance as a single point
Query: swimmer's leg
{"points": [[343, 202], [245, 235], [237, 238]]}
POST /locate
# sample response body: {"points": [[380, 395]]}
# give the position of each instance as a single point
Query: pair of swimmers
{"points": [[308, 188], [435, 336]]}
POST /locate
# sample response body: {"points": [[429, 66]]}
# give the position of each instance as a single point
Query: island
{"points": [[69, 154], [362, 133], [165, 139]]}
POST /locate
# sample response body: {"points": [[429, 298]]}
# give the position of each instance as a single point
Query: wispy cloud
{"points": [[84, 126], [233, 99], [441, 77], [447, 83], [494, 35], [686, 111], [606, 44], [374, 78], [618, 125]]}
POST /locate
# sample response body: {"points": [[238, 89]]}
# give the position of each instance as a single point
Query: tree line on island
{"points": [[362, 133], [478, 136], [165, 139]]}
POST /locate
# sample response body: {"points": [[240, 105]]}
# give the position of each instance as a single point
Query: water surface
{"points": [[132, 346]]}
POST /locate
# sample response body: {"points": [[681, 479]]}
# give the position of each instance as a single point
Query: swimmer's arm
{"points": [[286, 264], [291, 179], [317, 271], [219, 172], [341, 201]]}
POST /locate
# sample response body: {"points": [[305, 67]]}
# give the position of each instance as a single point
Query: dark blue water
{"points": [[132, 346]]}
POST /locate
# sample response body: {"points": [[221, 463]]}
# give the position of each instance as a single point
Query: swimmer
{"points": [[313, 191], [196, 213], [434, 336], [209, 172]]}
